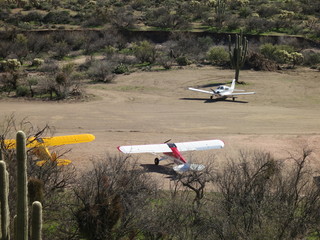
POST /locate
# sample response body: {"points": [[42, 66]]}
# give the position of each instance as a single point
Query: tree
{"points": [[110, 198], [264, 198]]}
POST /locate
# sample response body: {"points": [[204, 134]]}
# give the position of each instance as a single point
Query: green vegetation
{"points": [[287, 17]]}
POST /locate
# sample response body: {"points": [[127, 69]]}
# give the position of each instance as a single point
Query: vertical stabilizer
{"points": [[233, 84]]}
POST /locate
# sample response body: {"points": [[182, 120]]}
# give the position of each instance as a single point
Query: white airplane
{"points": [[172, 151], [223, 92]]}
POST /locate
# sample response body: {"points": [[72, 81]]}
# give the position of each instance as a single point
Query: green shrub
{"points": [[32, 17], [101, 71], [120, 69], [37, 62], [311, 58], [277, 53], [10, 65], [144, 51], [57, 17], [22, 91], [183, 61], [218, 56]]}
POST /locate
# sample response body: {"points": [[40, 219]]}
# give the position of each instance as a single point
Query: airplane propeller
{"points": [[167, 141]]}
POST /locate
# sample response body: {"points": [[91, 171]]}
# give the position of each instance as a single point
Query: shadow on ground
{"points": [[206, 100], [162, 169]]}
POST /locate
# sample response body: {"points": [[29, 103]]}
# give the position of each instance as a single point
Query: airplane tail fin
{"points": [[233, 84], [188, 167]]}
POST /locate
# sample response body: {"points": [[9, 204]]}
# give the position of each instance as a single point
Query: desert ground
{"points": [[151, 107]]}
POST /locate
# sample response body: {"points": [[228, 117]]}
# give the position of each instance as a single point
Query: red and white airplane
{"points": [[223, 92], [172, 151]]}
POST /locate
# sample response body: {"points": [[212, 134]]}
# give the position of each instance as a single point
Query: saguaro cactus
{"points": [[238, 53], [36, 224], [220, 11], [22, 197], [21, 219], [4, 191]]}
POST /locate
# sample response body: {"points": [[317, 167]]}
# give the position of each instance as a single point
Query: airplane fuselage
{"points": [[175, 155]]}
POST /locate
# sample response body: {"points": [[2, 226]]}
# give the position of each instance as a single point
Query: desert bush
{"points": [[267, 10], [33, 16], [65, 82], [259, 62], [5, 48], [110, 198], [120, 69], [37, 62], [144, 51], [61, 49], [39, 43], [10, 65], [49, 66], [57, 17], [101, 71], [22, 91], [311, 58], [259, 25], [122, 18], [278, 53], [183, 61], [232, 23], [9, 82], [218, 56], [245, 12], [263, 198], [164, 17]]}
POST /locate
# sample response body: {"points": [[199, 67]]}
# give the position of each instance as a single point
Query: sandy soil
{"points": [[152, 107]]}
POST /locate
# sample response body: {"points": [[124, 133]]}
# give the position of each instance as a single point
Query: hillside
{"points": [[254, 17]]}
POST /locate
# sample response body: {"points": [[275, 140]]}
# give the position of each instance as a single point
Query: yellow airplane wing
{"points": [[52, 141]]}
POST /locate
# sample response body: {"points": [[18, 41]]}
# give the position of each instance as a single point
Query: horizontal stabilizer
{"points": [[188, 167]]}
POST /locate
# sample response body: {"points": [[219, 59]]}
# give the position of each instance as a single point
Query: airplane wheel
{"points": [[233, 99], [156, 161], [211, 97]]}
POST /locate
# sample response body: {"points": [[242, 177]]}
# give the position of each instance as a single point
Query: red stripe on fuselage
{"points": [[176, 154]]}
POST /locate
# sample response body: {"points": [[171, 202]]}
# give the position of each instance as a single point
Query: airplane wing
{"points": [[52, 141], [199, 90], [149, 148], [236, 94], [164, 148], [200, 145]]}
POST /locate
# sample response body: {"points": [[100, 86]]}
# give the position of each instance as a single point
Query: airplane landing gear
{"points": [[233, 98], [156, 161]]}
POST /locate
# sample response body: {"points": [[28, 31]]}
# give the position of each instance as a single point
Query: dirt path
{"points": [[152, 107]]}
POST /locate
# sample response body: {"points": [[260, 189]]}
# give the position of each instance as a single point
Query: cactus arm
{"points": [[22, 198], [36, 223]]}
